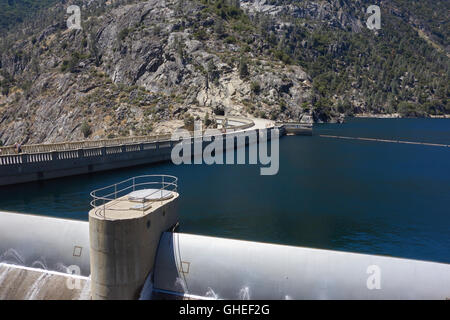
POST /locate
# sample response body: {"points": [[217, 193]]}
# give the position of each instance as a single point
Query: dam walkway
{"points": [[48, 161]]}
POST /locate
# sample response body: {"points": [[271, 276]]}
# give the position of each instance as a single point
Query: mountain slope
{"points": [[150, 66], [13, 12]]}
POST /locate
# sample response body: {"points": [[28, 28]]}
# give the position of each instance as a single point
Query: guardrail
{"points": [[82, 145], [24, 158], [246, 123], [295, 124], [104, 198], [92, 156], [75, 145]]}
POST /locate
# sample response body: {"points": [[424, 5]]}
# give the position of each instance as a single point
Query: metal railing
{"points": [[105, 198], [295, 124], [77, 145], [244, 123], [117, 142]]}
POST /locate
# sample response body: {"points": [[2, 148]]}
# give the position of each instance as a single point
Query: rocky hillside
{"points": [[140, 67]]}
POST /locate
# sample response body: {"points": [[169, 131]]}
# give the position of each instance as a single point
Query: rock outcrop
{"points": [[141, 67], [136, 69]]}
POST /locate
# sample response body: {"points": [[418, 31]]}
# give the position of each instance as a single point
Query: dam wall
{"points": [[48, 165], [44, 242], [61, 160], [21, 283], [201, 267]]}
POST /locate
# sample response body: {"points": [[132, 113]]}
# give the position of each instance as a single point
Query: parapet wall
{"points": [[41, 166]]}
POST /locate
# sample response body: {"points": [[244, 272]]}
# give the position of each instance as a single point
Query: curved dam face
{"points": [[23, 283], [198, 266], [45, 243], [207, 267]]}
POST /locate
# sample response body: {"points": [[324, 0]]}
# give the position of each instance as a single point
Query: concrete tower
{"points": [[124, 235]]}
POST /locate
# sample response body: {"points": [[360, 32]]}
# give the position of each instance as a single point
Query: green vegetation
{"points": [[383, 71], [352, 70], [6, 83], [72, 63], [243, 68], [189, 122], [86, 129], [207, 121], [200, 34], [227, 10], [255, 87], [213, 73], [432, 14], [123, 34], [393, 70], [13, 12]]}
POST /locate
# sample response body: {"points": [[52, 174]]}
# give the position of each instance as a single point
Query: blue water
{"points": [[367, 197]]}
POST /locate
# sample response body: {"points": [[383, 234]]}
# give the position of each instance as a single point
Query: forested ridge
{"points": [[165, 59], [13, 12]]}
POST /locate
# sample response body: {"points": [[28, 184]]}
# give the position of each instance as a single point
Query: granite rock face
{"points": [[134, 67], [141, 67]]}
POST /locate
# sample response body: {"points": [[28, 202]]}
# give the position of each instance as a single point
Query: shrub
{"points": [[243, 68], [407, 109], [208, 121], [189, 122], [213, 73], [282, 56], [86, 129], [255, 87], [219, 28], [283, 105], [123, 34], [322, 109], [5, 90], [201, 34], [219, 111], [230, 40], [64, 66], [71, 65]]}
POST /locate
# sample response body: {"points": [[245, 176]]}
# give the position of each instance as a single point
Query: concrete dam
{"points": [[49, 161], [130, 249]]}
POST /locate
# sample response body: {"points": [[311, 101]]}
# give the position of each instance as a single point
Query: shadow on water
{"points": [[358, 196]]}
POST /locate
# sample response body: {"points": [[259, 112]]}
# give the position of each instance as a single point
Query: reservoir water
{"points": [[359, 196]]}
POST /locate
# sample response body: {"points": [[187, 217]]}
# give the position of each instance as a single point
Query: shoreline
{"points": [[398, 116]]}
